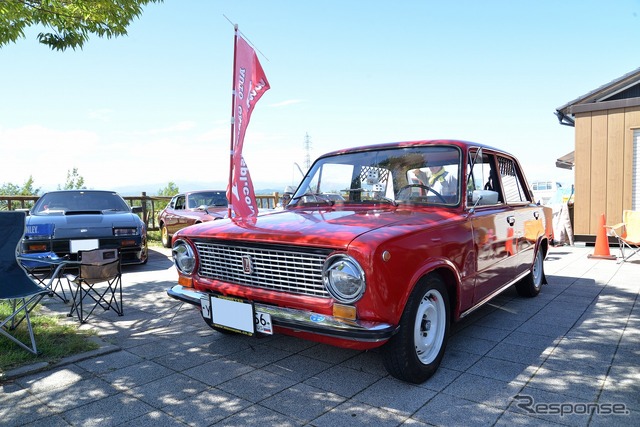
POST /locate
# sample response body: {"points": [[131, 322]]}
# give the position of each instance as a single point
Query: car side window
{"points": [[172, 202], [179, 203], [511, 181], [483, 187]]}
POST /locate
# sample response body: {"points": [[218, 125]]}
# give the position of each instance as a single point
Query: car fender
{"points": [[447, 270]]}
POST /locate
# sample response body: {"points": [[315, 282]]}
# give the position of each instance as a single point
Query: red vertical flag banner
{"points": [[249, 84]]}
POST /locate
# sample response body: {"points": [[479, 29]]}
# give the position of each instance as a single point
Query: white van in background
{"points": [[550, 192]]}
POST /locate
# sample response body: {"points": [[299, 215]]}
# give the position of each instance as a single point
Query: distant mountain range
{"points": [[152, 189]]}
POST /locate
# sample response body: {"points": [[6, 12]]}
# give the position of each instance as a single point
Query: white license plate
{"points": [[236, 315], [84, 245], [263, 323]]}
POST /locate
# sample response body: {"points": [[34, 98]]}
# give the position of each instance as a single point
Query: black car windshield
{"points": [[63, 202], [417, 175]]}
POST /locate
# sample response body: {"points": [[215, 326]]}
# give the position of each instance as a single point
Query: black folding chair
{"points": [[17, 289], [42, 265], [99, 280]]}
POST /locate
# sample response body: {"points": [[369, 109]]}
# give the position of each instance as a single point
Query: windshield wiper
{"points": [[317, 197], [375, 199], [388, 200]]}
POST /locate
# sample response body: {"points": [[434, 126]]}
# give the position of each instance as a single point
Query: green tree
{"points": [[67, 23], [74, 181], [27, 189], [9, 189], [170, 190]]}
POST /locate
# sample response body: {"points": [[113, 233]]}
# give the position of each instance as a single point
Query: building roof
{"points": [[619, 93]]}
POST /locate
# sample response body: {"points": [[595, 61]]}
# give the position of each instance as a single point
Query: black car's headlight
{"points": [[183, 257], [344, 278], [125, 231]]}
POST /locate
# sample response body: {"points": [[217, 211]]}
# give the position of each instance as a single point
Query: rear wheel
{"points": [[531, 284], [414, 353], [166, 240]]}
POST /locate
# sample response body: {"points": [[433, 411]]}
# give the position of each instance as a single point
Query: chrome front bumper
{"points": [[305, 321]]}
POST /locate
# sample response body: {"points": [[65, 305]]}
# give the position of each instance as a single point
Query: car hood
{"points": [[85, 225], [331, 228]]}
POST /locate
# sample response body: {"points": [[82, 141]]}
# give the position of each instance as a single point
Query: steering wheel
{"points": [[424, 187]]}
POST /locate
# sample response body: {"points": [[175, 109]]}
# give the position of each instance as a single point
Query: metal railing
{"points": [[151, 205]]}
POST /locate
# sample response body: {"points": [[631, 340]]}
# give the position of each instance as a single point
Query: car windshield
{"points": [[79, 201], [207, 198], [417, 175]]}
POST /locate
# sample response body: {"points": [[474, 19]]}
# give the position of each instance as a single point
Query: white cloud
{"points": [[43, 153]]}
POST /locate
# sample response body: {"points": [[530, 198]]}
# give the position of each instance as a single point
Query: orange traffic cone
{"points": [[602, 243]]}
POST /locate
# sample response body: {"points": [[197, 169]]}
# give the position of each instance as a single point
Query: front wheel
{"points": [[414, 353], [531, 284]]}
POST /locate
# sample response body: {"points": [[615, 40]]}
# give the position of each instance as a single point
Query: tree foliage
{"points": [[67, 23], [27, 189], [170, 190], [74, 181]]}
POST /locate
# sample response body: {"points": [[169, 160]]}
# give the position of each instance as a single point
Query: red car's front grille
{"points": [[275, 268]]}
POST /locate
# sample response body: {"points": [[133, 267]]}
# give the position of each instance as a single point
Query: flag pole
{"points": [[233, 111]]}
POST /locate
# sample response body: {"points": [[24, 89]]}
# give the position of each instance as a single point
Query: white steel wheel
{"points": [[531, 284], [414, 353], [536, 271], [430, 326]]}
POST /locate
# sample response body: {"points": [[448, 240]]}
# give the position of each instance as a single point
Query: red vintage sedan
{"points": [[192, 207], [381, 245]]}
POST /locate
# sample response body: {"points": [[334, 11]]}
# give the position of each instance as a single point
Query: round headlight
{"points": [[183, 257], [344, 278]]}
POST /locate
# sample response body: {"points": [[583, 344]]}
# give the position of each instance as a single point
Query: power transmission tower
{"points": [[307, 151]]}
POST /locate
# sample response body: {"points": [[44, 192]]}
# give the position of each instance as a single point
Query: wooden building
{"points": [[607, 153]]}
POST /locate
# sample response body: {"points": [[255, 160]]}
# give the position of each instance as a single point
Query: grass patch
{"points": [[55, 339], [154, 238]]}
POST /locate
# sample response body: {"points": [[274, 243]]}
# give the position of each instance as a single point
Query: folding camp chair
{"points": [[16, 287], [99, 280], [627, 232], [42, 264]]}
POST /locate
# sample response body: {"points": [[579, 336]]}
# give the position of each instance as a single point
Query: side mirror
{"points": [[484, 197], [136, 209]]}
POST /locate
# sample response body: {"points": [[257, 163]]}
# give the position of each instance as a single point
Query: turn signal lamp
{"points": [[344, 311], [37, 247], [187, 282]]}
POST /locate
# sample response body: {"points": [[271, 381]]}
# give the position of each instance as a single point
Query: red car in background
{"points": [[380, 246], [192, 207]]}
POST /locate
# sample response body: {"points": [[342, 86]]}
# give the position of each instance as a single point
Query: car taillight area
{"points": [[277, 268]]}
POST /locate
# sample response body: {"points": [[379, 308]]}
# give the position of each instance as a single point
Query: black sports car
{"points": [[65, 222]]}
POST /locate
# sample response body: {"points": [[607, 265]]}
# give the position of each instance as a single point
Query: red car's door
{"points": [[495, 223], [494, 235], [174, 213]]}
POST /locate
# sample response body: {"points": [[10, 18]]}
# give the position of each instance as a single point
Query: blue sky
{"points": [[136, 112]]}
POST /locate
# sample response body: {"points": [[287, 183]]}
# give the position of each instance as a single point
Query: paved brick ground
{"points": [[575, 348]]}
